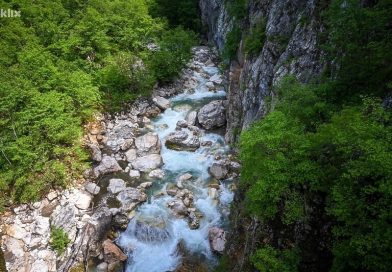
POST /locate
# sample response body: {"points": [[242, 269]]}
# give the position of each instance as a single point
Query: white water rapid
{"points": [[161, 241]]}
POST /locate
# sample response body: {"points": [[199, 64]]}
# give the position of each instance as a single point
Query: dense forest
{"points": [[64, 60], [322, 157]]}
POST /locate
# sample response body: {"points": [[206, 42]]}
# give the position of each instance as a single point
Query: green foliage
{"points": [[175, 51], [59, 240], [268, 259], [233, 40], [254, 40], [61, 62], [360, 45], [237, 8], [183, 13], [345, 156]]}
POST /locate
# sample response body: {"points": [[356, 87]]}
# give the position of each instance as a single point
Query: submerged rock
{"points": [[183, 140]]}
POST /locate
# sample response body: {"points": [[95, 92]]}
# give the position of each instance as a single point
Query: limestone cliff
{"points": [[291, 47]]}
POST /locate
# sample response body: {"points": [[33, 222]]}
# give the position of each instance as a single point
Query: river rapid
{"points": [[165, 241]]}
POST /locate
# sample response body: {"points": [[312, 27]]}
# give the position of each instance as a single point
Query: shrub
{"points": [[254, 40], [59, 240], [233, 40], [268, 259]]}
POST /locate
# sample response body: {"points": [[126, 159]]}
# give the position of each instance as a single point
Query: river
{"points": [[166, 242]]}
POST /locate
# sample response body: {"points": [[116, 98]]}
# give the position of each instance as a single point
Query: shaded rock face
{"points": [[251, 79]]}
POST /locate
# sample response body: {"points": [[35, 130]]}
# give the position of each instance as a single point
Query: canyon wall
{"points": [[291, 47]]}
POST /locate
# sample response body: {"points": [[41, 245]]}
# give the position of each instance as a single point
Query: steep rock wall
{"points": [[291, 47]]}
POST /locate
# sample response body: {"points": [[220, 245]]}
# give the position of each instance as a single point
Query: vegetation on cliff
{"points": [[324, 154], [62, 61]]}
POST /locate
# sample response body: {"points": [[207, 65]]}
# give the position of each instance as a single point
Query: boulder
{"points": [[161, 102], [120, 221], [130, 198], [157, 173], [217, 239], [134, 174], [116, 186], [191, 118], [183, 140], [92, 188], [217, 79], [131, 155], [112, 253], [218, 171], [178, 207], [212, 115], [147, 163], [107, 165], [102, 267], [148, 144], [83, 200]]}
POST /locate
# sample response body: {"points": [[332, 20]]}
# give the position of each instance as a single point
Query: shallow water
{"points": [[160, 243]]}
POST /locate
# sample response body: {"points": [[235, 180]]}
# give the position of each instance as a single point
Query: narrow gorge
{"points": [[196, 136]]}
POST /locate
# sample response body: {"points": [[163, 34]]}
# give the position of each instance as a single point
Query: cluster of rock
{"points": [[121, 143]]}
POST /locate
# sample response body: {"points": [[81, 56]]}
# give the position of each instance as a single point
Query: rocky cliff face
{"points": [[291, 47]]}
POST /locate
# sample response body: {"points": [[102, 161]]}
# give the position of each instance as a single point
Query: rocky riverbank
{"points": [[127, 162]]}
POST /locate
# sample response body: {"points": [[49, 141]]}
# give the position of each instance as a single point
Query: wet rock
{"points": [[112, 253], [147, 163], [178, 207], [130, 198], [120, 221], [107, 165], [193, 221], [210, 85], [135, 174], [191, 118], [185, 177], [182, 140], [116, 186], [181, 124], [157, 173], [218, 171], [217, 79], [151, 230], [92, 188], [217, 239], [148, 144], [212, 115], [161, 102]]}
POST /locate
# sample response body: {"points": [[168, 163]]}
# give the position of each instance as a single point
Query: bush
{"points": [[173, 54], [59, 240], [254, 40], [237, 8], [268, 259], [233, 40]]}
